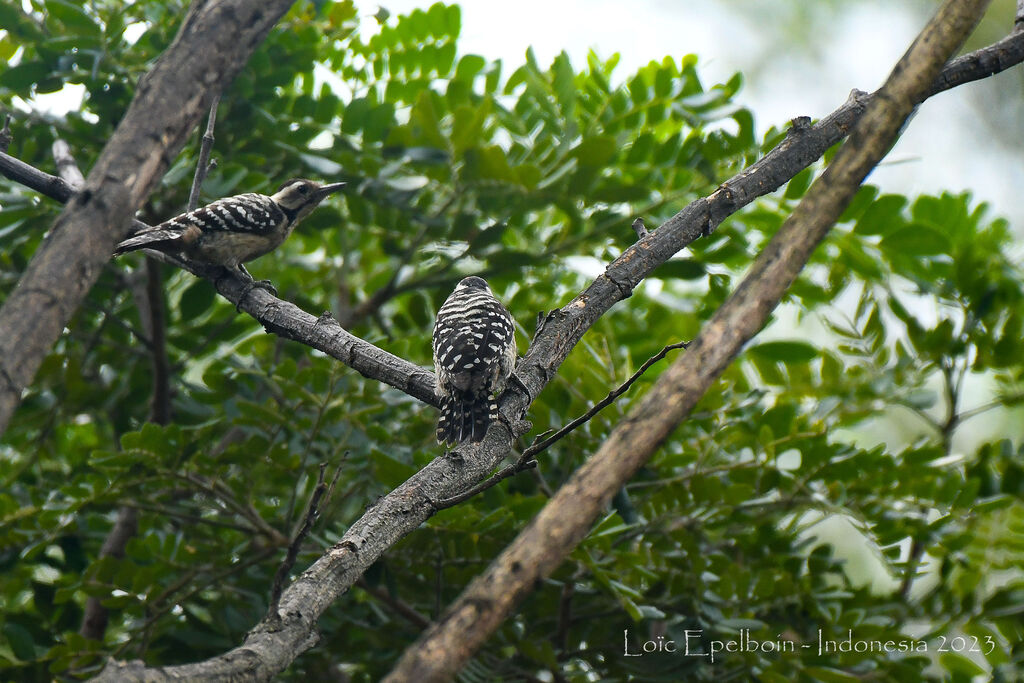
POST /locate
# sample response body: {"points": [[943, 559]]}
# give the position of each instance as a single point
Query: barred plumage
{"points": [[474, 355], [233, 230]]}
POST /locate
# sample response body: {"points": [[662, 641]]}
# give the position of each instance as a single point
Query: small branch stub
{"points": [[640, 229]]}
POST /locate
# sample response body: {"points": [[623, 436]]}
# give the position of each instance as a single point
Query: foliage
{"points": [[849, 408]]}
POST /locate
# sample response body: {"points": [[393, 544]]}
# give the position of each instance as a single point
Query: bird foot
{"points": [[251, 285]]}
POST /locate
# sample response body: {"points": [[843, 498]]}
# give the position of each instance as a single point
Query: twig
{"points": [[312, 513], [160, 405], [502, 474], [400, 607], [526, 460], [95, 616], [536, 448], [5, 134], [193, 520], [640, 229], [67, 167], [204, 164], [565, 613]]}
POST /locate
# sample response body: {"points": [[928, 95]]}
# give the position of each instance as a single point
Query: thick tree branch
{"points": [[266, 652], [214, 42], [444, 648]]}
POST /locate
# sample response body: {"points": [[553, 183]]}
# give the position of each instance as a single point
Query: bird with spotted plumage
{"points": [[474, 355], [231, 231]]}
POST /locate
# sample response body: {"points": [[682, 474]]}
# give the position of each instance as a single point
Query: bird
{"points": [[474, 355], [230, 231]]}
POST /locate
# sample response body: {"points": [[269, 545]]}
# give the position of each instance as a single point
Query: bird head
{"points": [[472, 282], [297, 197]]}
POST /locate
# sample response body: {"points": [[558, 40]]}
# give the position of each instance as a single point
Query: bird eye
{"points": [[304, 189]]}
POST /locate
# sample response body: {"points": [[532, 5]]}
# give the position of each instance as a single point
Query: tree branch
{"points": [[203, 165], [322, 490], [213, 43], [95, 616], [5, 134], [265, 652], [444, 648]]}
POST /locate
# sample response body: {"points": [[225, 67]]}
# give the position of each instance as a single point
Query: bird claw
{"points": [[251, 285]]}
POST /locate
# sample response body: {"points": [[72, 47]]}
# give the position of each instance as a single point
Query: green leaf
{"points": [[469, 66], [681, 269], [196, 300], [958, 663], [72, 16], [799, 184], [596, 151], [22, 77], [20, 641], [883, 216], [829, 675], [785, 351], [915, 240]]}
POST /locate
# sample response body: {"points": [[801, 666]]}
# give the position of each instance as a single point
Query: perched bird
{"points": [[474, 355], [233, 230]]}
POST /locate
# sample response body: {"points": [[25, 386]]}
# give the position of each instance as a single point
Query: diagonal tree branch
{"points": [[445, 647], [213, 43], [267, 652]]}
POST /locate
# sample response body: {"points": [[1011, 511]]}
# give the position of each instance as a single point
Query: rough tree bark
{"points": [[444, 648], [214, 42], [266, 650]]}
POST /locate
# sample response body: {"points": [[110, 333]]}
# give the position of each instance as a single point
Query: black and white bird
{"points": [[474, 355], [233, 230]]}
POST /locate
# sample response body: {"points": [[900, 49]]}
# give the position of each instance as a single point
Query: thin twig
{"points": [[5, 134], [204, 165], [321, 492], [400, 607], [536, 448], [95, 614], [160, 404], [526, 460]]}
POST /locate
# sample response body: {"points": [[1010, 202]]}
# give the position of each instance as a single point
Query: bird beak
{"points": [[325, 190]]}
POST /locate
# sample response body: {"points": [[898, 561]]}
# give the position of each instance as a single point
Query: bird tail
{"points": [[151, 239], [464, 417]]}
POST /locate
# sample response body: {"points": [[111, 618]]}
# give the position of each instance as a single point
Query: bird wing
{"points": [[252, 213], [474, 349]]}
